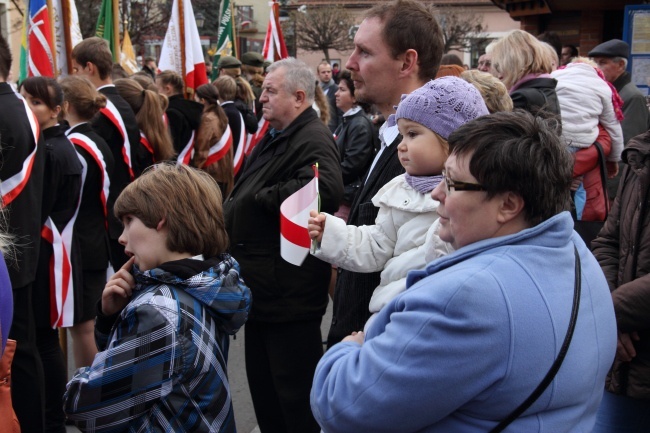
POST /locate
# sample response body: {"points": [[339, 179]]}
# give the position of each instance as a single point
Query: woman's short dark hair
{"points": [[516, 152]]}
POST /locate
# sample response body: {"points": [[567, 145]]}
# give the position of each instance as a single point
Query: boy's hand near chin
{"points": [[118, 290]]}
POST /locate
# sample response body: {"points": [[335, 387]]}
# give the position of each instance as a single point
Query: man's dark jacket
{"points": [[277, 168]]}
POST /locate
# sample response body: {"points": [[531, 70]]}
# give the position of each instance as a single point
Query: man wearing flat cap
{"points": [[611, 57], [253, 70], [229, 65]]}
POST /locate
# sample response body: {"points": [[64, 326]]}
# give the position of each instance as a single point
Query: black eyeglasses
{"points": [[455, 185]]}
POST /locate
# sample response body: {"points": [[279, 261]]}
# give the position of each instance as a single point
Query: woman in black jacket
{"points": [[355, 138]]}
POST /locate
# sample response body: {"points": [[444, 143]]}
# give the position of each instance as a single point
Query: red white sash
{"points": [[114, 116], [13, 186], [241, 146], [90, 146], [61, 287], [187, 153], [220, 148], [144, 141], [253, 139]]}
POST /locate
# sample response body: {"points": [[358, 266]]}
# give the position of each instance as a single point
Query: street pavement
{"points": [[241, 397]]}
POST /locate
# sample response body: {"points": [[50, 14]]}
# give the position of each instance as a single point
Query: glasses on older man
{"points": [[456, 185]]}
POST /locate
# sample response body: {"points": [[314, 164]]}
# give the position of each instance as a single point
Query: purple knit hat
{"points": [[442, 105]]}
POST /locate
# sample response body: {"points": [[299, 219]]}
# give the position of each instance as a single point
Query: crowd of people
{"points": [[463, 299]]}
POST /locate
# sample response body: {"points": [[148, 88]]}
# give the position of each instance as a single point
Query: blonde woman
{"points": [[522, 63]]}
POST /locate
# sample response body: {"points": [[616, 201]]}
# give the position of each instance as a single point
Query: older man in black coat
{"points": [[283, 340]]}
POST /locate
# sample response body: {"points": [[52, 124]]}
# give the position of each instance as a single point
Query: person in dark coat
{"points": [[623, 250], [116, 124], [376, 82], [21, 146], [82, 103], [283, 338], [329, 87], [61, 192]]}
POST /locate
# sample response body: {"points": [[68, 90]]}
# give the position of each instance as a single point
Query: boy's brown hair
{"points": [[96, 51], [189, 201]]}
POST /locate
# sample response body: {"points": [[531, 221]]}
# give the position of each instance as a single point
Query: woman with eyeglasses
{"points": [[396, 243], [477, 331]]}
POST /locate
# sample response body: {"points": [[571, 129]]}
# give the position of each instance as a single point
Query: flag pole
{"points": [[235, 42], [65, 12], [116, 30], [181, 21], [50, 12]]}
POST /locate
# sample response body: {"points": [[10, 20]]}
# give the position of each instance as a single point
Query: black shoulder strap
{"points": [[558, 361], [603, 175]]}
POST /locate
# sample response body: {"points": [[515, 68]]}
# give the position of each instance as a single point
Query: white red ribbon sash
{"points": [[144, 141], [187, 153], [13, 186], [61, 284], [241, 146], [220, 148], [110, 111], [90, 146]]}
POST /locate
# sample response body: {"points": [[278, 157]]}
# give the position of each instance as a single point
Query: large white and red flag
{"points": [[294, 214], [40, 43], [181, 50]]}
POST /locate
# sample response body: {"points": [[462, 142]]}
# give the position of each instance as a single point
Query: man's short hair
{"points": [[5, 58], [297, 76], [323, 63], [517, 152], [408, 24], [189, 200], [96, 51]]}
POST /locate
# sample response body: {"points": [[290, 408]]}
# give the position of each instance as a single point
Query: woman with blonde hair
{"points": [[154, 134], [81, 103], [522, 63], [492, 90], [214, 123], [245, 101]]}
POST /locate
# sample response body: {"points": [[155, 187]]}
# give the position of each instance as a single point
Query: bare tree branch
{"points": [[460, 27], [323, 28]]}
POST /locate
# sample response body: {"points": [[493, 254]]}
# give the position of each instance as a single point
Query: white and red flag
{"points": [[39, 37], [294, 214], [181, 50]]}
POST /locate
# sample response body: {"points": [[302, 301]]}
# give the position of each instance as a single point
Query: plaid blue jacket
{"points": [[162, 367]]}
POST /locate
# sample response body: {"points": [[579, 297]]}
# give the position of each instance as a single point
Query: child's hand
{"points": [[316, 225], [118, 290]]}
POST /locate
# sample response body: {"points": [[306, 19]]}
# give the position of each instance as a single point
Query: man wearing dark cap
{"points": [[229, 65], [611, 58], [253, 70]]}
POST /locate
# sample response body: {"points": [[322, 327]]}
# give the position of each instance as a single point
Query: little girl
{"points": [[396, 243]]}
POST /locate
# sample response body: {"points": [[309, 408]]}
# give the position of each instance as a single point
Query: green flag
{"points": [[225, 36], [104, 28]]}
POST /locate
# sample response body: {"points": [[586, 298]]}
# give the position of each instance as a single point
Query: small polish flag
{"points": [[294, 213]]}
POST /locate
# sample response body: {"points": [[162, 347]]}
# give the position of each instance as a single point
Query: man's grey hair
{"points": [[620, 59], [297, 76]]}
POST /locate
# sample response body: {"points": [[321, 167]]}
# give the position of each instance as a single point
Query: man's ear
{"points": [[300, 96], [161, 224], [512, 206], [409, 62]]}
